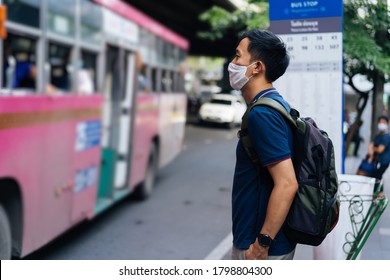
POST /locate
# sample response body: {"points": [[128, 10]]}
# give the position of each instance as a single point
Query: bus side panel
{"points": [[21, 158], [171, 126], [87, 134], [145, 129], [86, 170], [55, 195], [37, 143]]}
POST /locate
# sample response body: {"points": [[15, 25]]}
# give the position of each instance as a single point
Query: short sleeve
{"points": [[386, 140], [383, 140], [268, 132]]}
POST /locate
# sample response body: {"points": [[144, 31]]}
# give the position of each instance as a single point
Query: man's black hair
{"points": [[270, 49], [383, 117]]}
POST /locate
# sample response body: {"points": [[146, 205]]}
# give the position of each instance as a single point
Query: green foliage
{"points": [[366, 31], [222, 21], [366, 37]]}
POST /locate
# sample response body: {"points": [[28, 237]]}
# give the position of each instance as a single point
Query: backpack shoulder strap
{"points": [[243, 133], [269, 102]]}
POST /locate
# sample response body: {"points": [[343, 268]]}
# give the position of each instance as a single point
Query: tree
{"points": [[254, 15], [367, 52]]}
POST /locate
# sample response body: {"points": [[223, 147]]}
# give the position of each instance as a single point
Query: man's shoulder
{"points": [[387, 137], [382, 139], [383, 136], [263, 112]]}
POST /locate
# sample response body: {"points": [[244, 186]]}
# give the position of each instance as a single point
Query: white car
{"points": [[223, 108]]}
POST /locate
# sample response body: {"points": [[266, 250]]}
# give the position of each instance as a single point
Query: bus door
{"points": [[118, 96], [124, 146]]}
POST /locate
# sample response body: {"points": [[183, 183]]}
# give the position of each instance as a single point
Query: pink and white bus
{"points": [[92, 103]]}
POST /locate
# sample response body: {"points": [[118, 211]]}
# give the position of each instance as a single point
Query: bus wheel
{"points": [[5, 235], [146, 188]]}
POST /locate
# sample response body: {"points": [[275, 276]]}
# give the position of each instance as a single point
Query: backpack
{"points": [[315, 209]]}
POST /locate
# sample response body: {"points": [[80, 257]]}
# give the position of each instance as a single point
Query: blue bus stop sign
{"points": [[282, 9], [313, 82]]}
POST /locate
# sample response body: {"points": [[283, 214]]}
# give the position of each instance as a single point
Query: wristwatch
{"points": [[264, 240]]}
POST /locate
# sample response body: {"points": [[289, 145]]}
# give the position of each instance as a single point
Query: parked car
{"points": [[224, 109]]}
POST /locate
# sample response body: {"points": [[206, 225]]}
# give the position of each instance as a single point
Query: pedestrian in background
{"points": [[261, 200], [379, 149], [357, 139]]}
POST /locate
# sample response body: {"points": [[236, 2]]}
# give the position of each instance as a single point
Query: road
{"points": [[188, 214], [186, 217]]}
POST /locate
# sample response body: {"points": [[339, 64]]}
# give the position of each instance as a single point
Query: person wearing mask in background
{"points": [[18, 69], [261, 200], [84, 80], [379, 149]]}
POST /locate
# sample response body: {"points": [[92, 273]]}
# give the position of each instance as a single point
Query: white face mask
{"points": [[382, 127], [237, 76]]}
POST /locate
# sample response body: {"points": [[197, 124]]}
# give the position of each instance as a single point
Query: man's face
{"points": [[242, 56], [383, 121]]}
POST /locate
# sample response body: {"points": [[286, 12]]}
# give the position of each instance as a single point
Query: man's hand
{"points": [[256, 252]]}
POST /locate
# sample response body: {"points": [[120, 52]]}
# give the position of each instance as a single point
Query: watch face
{"points": [[265, 240]]}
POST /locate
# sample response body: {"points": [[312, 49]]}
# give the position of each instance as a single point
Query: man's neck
{"points": [[250, 92]]}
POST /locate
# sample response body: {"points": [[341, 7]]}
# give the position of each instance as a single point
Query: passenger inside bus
{"points": [[19, 69], [59, 69], [85, 85], [86, 74], [143, 83]]}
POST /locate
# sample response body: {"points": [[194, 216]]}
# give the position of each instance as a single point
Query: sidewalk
{"points": [[377, 246]]}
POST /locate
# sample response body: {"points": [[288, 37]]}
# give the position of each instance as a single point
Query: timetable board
{"points": [[313, 82]]}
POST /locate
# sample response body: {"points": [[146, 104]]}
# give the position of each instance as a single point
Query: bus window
{"points": [[144, 42], [24, 12], [86, 73], [143, 79], [153, 48], [181, 78], [166, 81], [175, 83], [170, 54], [60, 68], [19, 66], [175, 56], [182, 55], [61, 17], [112, 78], [155, 86], [91, 22], [160, 50]]}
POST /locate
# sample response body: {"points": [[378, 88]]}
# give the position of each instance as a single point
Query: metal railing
{"points": [[362, 221]]}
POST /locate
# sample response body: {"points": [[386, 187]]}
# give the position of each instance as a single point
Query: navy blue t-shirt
{"points": [[383, 139], [272, 139]]}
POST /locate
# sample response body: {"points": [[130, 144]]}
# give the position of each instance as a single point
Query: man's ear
{"points": [[259, 67]]}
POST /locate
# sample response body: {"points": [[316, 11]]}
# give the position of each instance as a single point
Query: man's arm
{"points": [[372, 150], [379, 149], [282, 196]]}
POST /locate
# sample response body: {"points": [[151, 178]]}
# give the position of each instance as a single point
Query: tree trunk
{"points": [[378, 108], [360, 106]]}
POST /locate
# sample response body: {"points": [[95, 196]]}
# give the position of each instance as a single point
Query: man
{"points": [[379, 149], [261, 200]]}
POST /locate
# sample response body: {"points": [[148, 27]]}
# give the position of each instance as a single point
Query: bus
{"points": [[92, 104]]}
